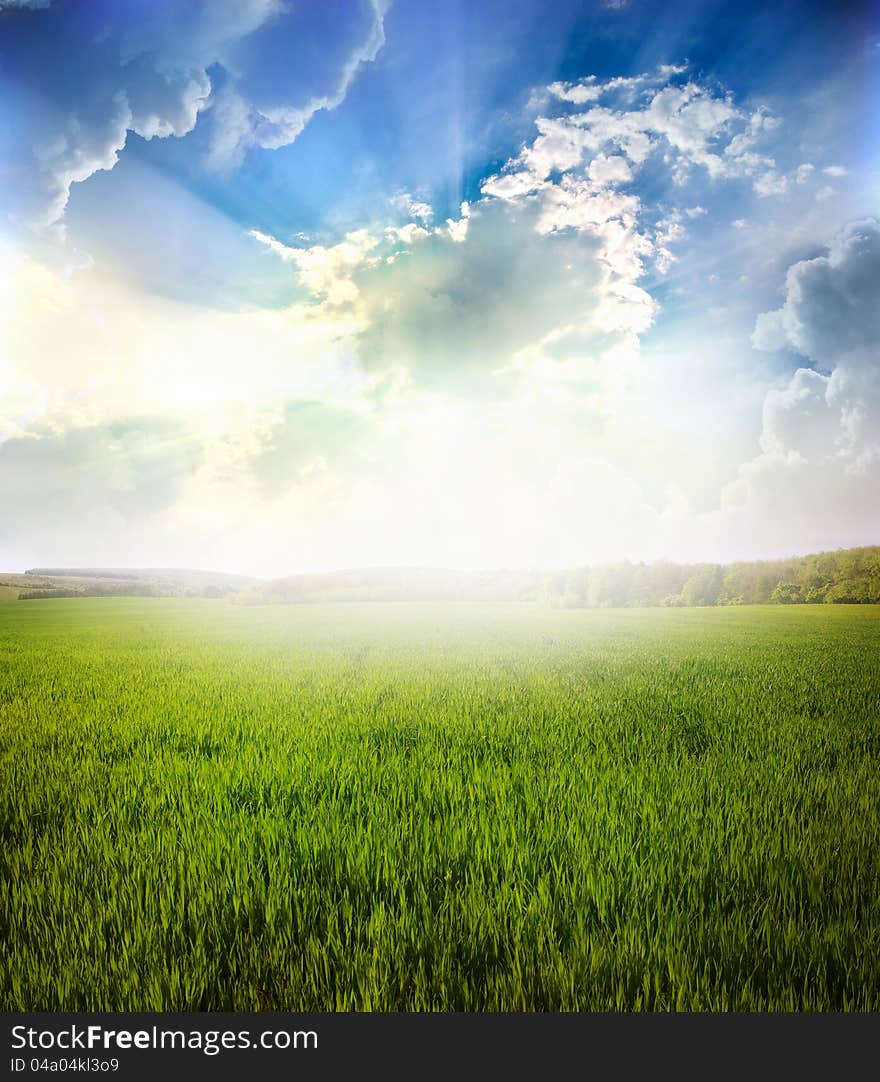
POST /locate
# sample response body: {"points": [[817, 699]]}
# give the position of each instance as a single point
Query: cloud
{"points": [[94, 479], [830, 304], [604, 170], [830, 316], [489, 388], [590, 89], [671, 231], [798, 420], [146, 71], [412, 207], [82, 351], [771, 183], [535, 310], [575, 167], [327, 272], [577, 93], [451, 307], [578, 161], [308, 439], [240, 122], [820, 439], [690, 123], [407, 234], [458, 227]]}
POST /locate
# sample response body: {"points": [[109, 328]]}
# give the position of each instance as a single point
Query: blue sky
{"points": [[307, 285]]}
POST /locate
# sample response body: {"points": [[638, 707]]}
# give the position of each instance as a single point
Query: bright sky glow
{"points": [[302, 286]]}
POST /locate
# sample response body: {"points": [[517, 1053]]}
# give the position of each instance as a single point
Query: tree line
{"points": [[849, 576], [846, 576]]}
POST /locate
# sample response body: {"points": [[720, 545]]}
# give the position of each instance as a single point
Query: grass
{"points": [[446, 807]]}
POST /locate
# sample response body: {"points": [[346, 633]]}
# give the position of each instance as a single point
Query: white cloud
{"points": [[669, 231], [770, 183], [327, 272], [834, 171], [511, 185], [692, 125], [424, 212], [406, 203], [458, 228], [589, 89], [604, 170], [577, 93], [575, 166], [798, 421], [406, 234], [691, 119]]}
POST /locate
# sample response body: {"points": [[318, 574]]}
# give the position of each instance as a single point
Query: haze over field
{"points": [[481, 285]]}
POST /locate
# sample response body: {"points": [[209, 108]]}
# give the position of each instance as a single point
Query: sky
{"points": [[296, 285]]}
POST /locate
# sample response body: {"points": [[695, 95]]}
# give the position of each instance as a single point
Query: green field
{"points": [[438, 807]]}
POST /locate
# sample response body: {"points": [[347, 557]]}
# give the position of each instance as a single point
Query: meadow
{"points": [[438, 807]]}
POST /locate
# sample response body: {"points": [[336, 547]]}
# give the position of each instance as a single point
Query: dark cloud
{"points": [[821, 432], [832, 303], [451, 314], [831, 315]]}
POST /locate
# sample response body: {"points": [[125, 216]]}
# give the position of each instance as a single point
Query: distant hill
{"points": [[45, 582], [400, 584], [846, 576]]}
